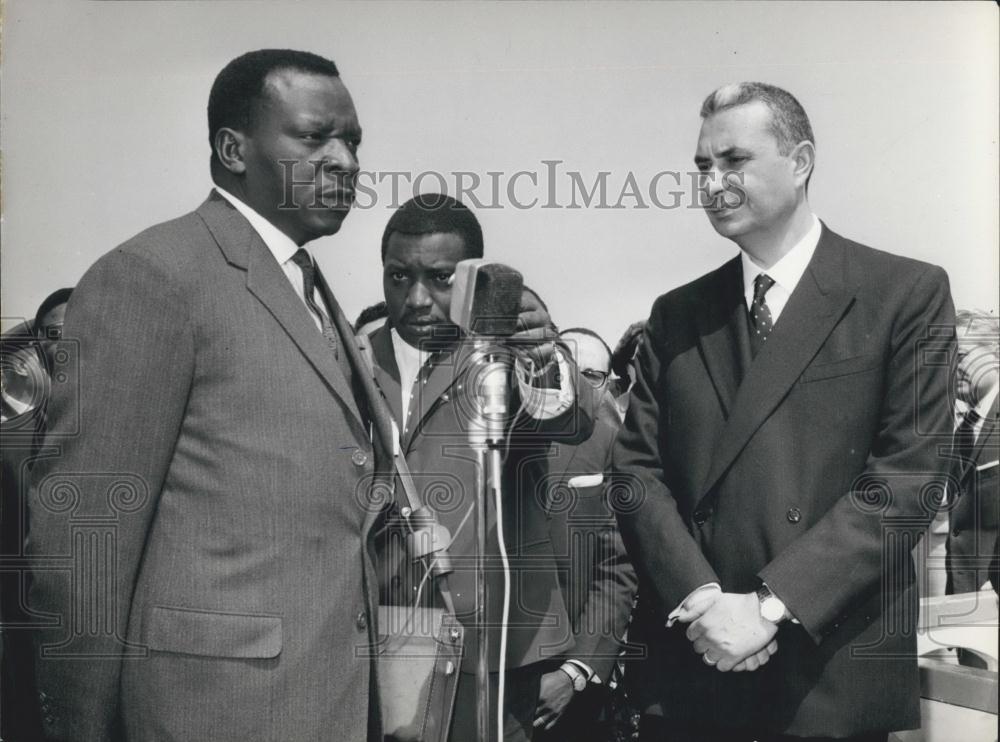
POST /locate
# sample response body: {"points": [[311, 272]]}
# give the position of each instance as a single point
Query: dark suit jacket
{"points": [[434, 440], [812, 468], [199, 546], [972, 540], [596, 577]]}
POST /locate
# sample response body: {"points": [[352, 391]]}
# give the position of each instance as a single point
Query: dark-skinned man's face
{"points": [[300, 154], [416, 279]]}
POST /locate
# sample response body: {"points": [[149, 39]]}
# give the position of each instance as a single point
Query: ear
{"points": [[804, 159], [230, 146]]}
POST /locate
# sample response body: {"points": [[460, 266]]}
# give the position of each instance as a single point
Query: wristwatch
{"points": [[771, 608], [575, 674]]}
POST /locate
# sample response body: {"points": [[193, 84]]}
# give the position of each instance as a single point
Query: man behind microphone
{"points": [[422, 366]]}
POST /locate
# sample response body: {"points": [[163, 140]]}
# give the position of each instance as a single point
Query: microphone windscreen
{"points": [[486, 297]]}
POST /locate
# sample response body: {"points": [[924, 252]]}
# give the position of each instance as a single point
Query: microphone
{"points": [[486, 297]]}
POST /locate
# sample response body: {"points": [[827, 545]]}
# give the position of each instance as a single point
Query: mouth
{"points": [[341, 198], [421, 325]]}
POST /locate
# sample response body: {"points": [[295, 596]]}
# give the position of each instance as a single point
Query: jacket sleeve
{"points": [[667, 558], [113, 425], [844, 558]]}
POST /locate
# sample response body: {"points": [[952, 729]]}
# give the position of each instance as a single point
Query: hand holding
{"points": [[731, 630]]}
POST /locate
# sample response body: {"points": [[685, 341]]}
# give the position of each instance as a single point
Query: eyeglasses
{"points": [[595, 377]]}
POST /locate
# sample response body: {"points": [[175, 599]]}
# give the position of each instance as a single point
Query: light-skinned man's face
{"points": [[416, 279], [308, 121], [978, 371], [741, 139], [593, 362]]}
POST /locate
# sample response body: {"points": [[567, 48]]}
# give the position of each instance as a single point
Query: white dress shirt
{"points": [[283, 248], [409, 361], [786, 272]]}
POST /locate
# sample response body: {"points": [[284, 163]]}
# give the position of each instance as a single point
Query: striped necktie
{"points": [[301, 258]]}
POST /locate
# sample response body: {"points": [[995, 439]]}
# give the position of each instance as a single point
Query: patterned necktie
{"points": [[965, 435], [761, 323], [301, 258]]}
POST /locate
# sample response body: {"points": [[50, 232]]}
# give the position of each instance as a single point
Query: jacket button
{"points": [[362, 621], [360, 458], [956, 533], [794, 515], [700, 516]]}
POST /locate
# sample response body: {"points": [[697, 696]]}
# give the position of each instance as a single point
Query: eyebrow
{"points": [[725, 154]]}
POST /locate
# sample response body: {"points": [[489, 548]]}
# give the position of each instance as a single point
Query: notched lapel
{"points": [[813, 310], [721, 338], [244, 249], [270, 285], [386, 372], [446, 369]]}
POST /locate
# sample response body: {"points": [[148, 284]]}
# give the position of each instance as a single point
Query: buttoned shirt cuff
{"points": [[585, 669], [545, 403], [676, 612]]}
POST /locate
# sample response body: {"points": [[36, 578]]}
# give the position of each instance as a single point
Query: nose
{"points": [[341, 157], [418, 296], [712, 183]]}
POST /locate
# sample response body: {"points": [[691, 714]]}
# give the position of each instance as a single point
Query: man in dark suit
{"points": [[785, 444], [199, 540], [597, 580], [428, 374], [974, 511]]}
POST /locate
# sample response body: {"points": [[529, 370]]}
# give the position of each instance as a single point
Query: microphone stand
{"points": [[489, 371]]}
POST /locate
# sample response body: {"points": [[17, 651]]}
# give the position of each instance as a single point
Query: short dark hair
{"points": [[240, 85], [789, 121], [588, 332], [53, 300], [436, 213]]}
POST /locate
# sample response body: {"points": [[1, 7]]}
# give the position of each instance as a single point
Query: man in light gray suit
{"points": [[199, 529]]}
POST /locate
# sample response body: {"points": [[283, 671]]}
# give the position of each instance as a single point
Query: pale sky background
{"points": [[104, 131]]}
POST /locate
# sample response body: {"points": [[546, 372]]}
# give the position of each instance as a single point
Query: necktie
{"points": [[965, 435], [761, 323], [301, 258]]}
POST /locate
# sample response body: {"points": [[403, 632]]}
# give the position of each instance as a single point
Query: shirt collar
{"points": [[280, 244], [406, 355], [788, 271], [983, 408]]}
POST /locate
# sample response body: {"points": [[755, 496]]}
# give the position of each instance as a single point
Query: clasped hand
{"points": [[727, 630]]}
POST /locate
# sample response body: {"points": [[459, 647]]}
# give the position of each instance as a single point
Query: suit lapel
{"points": [[813, 310], [440, 373], [721, 334], [244, 249], [386, 372]]}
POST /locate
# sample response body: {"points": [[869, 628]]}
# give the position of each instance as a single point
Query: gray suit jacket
{"points": [[199, 543]]}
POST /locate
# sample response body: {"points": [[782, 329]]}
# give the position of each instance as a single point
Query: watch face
{"points": [[771, 610]]}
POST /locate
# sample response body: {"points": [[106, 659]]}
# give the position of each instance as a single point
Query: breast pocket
{"points": [[213, 634], [843, 367]]}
